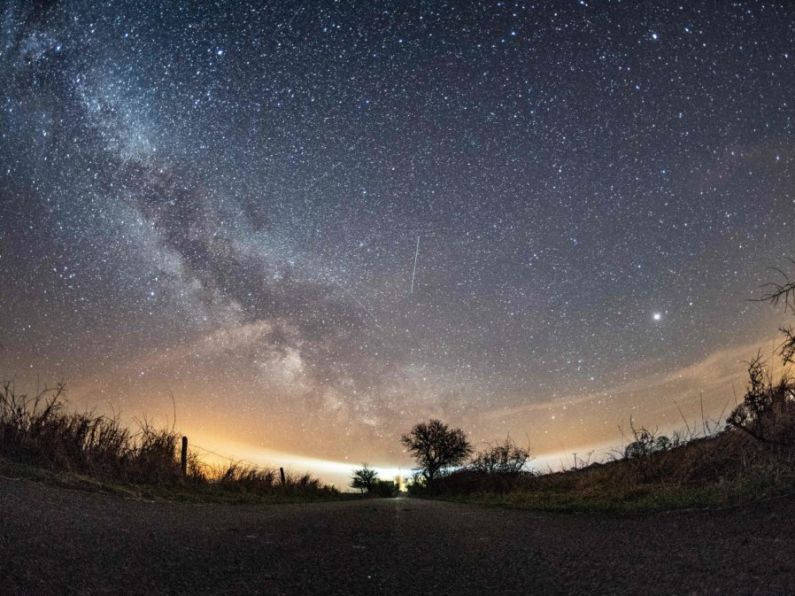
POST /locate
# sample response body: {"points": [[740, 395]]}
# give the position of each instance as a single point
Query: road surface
{"points": [[55, 540]]}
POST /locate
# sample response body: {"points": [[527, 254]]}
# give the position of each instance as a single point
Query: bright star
{"points": [[657, 316]]}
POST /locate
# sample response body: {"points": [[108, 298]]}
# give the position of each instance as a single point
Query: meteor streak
{"points": [[414, 270]]}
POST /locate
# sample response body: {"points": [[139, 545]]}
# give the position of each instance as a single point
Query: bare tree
{"points": [[768, 409], [505, 458], [783, 292], [436, 446], [778, 292]]}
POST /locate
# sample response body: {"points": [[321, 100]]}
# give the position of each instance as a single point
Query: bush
{"points": [[384, 488], [505, 458], [768, 409], [470, 481]]}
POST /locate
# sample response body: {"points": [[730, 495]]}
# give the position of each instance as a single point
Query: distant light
{"points": [[654, 36], [657, 316]]}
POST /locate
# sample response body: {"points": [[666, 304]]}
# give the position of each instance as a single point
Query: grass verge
{"points": [[40, 439], [627, 503]]}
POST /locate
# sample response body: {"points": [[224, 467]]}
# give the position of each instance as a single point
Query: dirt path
{"points": [[54, 540]]}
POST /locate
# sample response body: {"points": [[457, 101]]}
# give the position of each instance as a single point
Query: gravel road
{"points": [[60, 541]]}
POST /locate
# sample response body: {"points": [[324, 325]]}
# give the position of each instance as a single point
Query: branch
{"points": [[779, 292]]}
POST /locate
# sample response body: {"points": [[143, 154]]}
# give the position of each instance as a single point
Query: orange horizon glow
{"points": [[557, 431]]}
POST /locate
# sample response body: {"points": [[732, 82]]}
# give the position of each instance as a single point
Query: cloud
{"points": [[713, 376]]}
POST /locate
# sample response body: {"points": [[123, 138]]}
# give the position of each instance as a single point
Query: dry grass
{"points": [[753, 456], [238, 477], [724, 469], [40, 431]]}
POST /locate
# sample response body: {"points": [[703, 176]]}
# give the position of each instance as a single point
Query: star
{"points": [[231, 201]]}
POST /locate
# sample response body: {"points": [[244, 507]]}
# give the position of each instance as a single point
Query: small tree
{"points": [[436, 446], [364, 478], [506, 458]]}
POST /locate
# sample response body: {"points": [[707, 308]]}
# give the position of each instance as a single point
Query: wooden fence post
{"points": [[183, 460], [281, 473]]}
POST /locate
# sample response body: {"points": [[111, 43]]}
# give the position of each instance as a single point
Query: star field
{"points": [[222, 201]]}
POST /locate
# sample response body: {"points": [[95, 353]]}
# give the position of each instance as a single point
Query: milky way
{"points": [[223, 202]]}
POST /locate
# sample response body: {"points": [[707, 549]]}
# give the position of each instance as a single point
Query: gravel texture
{"points": [[61, 541]]}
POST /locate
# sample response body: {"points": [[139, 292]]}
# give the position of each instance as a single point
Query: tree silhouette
{"points": [[364, 478], [767, 407], [783, 292], [505, 458], [436, 446], [767, 412]]}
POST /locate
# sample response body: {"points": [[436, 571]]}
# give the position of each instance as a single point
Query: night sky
{"points": [[222, 202]]}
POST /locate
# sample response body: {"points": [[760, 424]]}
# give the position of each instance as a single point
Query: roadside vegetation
{"points": [[749, 456], [367, 482], [41, 438]]}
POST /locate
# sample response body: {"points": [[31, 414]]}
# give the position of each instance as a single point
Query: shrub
{"points": [[768, 410], [505, 458], [384, 488]]}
